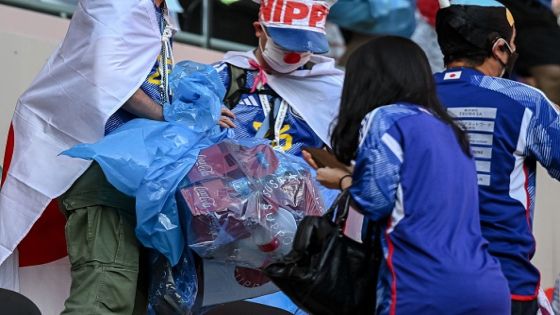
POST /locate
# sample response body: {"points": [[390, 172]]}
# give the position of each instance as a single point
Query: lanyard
{"points": [[165, 54], [280, 112]]}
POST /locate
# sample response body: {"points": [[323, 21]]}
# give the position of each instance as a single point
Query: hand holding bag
{"points": [[327, 272]]}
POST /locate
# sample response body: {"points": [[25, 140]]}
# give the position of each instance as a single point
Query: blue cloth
{"points": [[147, 159], [295, 133], [387, 17], [279, 300], [411, 172], [511, 127]]}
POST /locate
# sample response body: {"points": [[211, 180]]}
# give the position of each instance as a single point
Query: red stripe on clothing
{"points": [[523, 298], [528, 217], [393, 309], [528, 209]]}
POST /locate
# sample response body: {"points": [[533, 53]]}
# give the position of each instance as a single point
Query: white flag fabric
{"points": [[314, 94], [108, 51]]}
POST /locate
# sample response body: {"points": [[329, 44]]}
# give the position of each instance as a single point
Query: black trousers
{"points": [[524, 308]]}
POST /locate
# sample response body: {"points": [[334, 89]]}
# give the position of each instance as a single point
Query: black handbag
{"points": [[326, 272]]}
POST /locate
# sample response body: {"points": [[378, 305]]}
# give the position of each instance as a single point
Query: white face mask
{"points": [[283, 61]]}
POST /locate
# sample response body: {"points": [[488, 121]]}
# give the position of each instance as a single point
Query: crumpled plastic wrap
{"points": [[147, 159], [173, 289], [245, 201], [197, 97]]}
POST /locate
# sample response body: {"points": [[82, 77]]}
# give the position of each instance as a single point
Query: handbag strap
{"points": [[338, 212]]}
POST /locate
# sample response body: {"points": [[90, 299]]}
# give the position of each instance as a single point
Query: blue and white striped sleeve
{"points": [[224, 73], [543, 136], [377, 170]]}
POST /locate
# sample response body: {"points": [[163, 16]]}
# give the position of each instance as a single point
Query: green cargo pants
{"points": [[102, 248]]}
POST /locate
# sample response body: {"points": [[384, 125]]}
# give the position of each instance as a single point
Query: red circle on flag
{"points": [[292, 58]]}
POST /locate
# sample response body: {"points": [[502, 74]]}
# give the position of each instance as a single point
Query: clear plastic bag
{"points": [[245, 201]]}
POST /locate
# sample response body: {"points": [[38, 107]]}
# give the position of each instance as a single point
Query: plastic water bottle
{"points": [[277, 236], [268, 242]]}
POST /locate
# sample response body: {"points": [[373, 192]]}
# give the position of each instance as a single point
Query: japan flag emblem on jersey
{"points": [[452, 75]]}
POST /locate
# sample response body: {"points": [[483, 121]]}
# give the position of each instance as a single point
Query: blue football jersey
{"points": [[511, 127], [412, 173], [295, 133]]}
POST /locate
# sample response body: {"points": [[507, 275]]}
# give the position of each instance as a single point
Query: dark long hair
{"points": [[386, 70]]}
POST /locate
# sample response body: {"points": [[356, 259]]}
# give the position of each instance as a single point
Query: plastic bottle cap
{"points": [[270, 246]]}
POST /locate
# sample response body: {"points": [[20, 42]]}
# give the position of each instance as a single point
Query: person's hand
{"points": [[309, 159], [334, 178], [226, 120]]}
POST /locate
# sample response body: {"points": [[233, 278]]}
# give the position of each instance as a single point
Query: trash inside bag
{"points": [[245, 202]]}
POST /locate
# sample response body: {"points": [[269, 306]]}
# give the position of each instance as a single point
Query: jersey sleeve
{"points": [[224, 73], [377, 172], [543, 136]]}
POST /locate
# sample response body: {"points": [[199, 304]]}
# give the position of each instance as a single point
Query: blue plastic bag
{"points": [[197, 97], [147, 159]]}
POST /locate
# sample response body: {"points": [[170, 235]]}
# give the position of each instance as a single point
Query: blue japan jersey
{"points": [[411, 172], [295, 133], [511, 127]]}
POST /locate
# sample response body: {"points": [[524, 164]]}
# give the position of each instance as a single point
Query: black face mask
{"points": [[510, 64], [508, 67]]}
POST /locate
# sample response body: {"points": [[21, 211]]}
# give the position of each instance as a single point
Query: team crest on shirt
{"points": [[453, 75]]}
